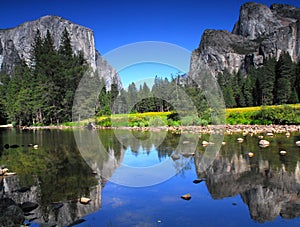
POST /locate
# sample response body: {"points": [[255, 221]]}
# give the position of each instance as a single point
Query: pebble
{"points": [[205, 143], [271, 134], [186, 196], [175, 157], [264, 143], [282, 152], [84, 200], [240, 140]]}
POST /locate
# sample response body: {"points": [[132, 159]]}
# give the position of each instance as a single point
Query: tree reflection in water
{"points": [[58, 174]]}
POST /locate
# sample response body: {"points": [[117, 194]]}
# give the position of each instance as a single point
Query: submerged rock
{"points": [[14, 146], [205, 143], [186, 196], [84, 200], [175, 157], [198, 181], [250, 154], [264, 143], [282, 152], [240, 140]]}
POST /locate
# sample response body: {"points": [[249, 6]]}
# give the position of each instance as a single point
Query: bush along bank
{"points": [[265, 115]]}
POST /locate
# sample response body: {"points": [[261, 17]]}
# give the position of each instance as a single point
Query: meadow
{"points": [[261, 115]]}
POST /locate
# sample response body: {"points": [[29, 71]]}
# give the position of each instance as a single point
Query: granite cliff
{"points": [[260, 32], [16, 44]]}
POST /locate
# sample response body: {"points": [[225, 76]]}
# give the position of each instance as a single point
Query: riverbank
{"points": [[210, 129]]}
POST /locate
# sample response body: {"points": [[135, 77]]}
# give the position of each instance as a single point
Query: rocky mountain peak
{"points": [[255, 20], [16, 44], [260, 32]]}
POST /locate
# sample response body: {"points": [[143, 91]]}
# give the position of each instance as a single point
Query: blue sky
{"points": [[120, 22]]}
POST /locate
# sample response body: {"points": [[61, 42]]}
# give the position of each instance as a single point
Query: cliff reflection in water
{"points": [[51, 179], [268, 183], [62, 170]]}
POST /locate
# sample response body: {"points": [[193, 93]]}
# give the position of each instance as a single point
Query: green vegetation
{"points": [[185, 100], [262, 115], [62, 174], [42, 92], [282, 114], [275, 83]]}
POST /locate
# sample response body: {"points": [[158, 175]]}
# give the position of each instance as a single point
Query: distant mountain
{"points": [[16, 44], [260, 33]]}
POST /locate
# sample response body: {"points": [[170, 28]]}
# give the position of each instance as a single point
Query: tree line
{"points": [[164, 95], [42, 91], [275, 83]]}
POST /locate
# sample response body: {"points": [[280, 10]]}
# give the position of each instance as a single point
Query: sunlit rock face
{"points": [[16, 44], [260, 33]]}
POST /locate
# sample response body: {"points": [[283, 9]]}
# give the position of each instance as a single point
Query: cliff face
{"points": [[260, 32], [16, 44]]}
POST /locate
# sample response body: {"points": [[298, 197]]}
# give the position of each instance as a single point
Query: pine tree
{"points": [[104, 101], [228, 97], [65, 48], [284, 74], [248, 91], [294, 97], [114, 92], [267, 81], [132, 97]]}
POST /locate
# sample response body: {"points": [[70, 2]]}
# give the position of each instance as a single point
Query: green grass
{"points": [[262, 115], [134, 119], [280, 114]]}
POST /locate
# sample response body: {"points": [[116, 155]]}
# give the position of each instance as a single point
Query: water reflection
{"points": [[54, 176], [62, 170], [268, 184]]}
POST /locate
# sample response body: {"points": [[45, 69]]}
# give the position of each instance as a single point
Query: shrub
{"points": [[173, 123], [106, 122], [156, 121], [173, 116]]}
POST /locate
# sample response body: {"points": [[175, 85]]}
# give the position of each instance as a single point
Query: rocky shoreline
{"points": [[210, 129]]}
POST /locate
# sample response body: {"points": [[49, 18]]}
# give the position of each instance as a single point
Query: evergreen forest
{"points": [[42, 91]]}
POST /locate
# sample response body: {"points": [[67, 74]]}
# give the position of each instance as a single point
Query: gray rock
{"points": [[16, 44], [260, 33]]}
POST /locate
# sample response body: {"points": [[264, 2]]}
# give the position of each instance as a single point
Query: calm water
{"points": [[134, 179]]}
